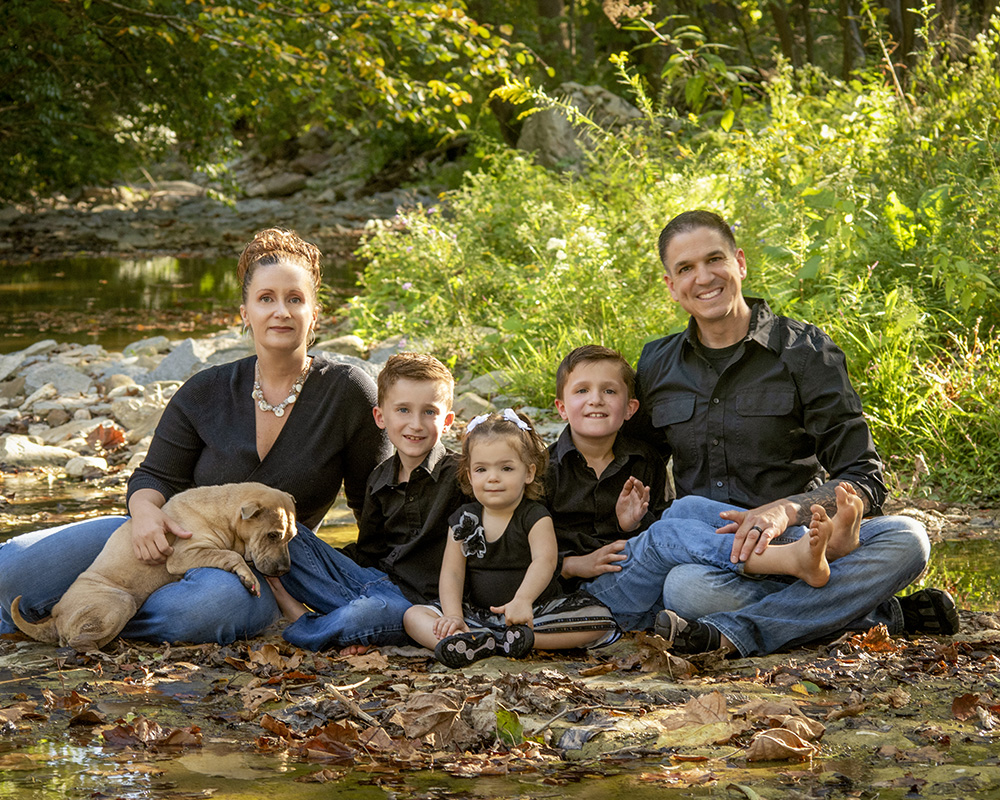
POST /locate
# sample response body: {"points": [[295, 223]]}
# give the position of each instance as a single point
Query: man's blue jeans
{"points": [[682, 564], [209, 605]]}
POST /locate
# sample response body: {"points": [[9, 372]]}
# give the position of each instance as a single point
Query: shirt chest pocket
{"points": [[768, 425], [674, 418]]}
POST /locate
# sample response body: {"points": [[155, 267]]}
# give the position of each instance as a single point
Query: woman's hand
{"points": [[150, 527]]}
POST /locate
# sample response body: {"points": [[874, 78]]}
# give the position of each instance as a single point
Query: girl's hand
{"points": [[448, 626], [150, 527], [633, 502], [516, 612]]}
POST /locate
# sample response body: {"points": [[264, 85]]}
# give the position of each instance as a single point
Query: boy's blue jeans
{"points": [[360, 606], [681, 563]]}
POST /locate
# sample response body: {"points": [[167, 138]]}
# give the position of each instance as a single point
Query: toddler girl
{"points": [[499, 593]]}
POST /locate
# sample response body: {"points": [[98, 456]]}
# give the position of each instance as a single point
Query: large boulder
{"points": [[21, 451], [556, 141]]}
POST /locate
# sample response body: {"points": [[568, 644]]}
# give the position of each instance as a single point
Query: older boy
{"points": [[602, 486], [404, 522]]}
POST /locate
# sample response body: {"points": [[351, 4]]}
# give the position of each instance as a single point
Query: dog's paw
{"points": [[248, 579]]}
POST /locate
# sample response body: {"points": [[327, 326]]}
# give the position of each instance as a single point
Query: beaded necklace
{"points": [[279, 410]]}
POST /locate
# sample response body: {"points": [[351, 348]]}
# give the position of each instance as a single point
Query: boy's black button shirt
{"points": [[404, 526]]}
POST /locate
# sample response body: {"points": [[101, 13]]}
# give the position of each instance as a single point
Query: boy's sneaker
{"points": [[515, 641], [930, 611], [686, 636], [461, 649]]}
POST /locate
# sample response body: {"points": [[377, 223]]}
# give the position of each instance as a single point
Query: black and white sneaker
{"points": [[515, 641], [462, 649], [930, 611]]}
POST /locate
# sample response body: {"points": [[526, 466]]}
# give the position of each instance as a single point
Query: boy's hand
{"points": [[633, 502], [603, 559], [447, 626], [516, 612]]}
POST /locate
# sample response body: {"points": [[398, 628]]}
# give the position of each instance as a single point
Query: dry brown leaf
{"points": [[897, 697], [377, 739], [808, 729], [964, 707], [254, 698], [15, 712], [277, 727], [322, 776], [429, 713], [877, 640], [846, 711], [655, 656], [89, 716], [779, 744], [680, 777], [372, 661], [599, 669]]}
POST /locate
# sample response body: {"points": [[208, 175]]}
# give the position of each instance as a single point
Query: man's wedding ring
{"points": [[757, 528]]}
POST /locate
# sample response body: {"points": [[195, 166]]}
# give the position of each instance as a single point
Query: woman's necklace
{"points": [[279, 410]]}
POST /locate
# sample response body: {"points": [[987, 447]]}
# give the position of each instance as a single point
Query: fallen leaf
{"points": [[680, 777], [779, 744], [372, 661], [964, 707]]}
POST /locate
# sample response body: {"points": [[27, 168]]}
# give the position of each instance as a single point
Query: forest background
{"points": [[852, 145]]}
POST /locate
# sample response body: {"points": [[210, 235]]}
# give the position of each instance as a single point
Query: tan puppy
{"points": [[230, 525]]}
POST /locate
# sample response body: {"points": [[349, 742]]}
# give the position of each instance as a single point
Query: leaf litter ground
{"points": [[866, 716]]}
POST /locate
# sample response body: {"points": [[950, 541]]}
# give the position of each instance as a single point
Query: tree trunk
{"points": [[802, 7], [779, 11]]}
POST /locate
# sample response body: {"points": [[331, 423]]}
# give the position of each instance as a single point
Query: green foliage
{"points": [[94, 87], [869, 214]]}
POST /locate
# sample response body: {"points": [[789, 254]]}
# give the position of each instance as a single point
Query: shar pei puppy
{"points": [[230, 525]]}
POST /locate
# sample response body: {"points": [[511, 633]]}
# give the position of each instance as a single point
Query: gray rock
{"points": [[490, 383], [118, 384], [151, 346], [85, 465], [12, 388], [281, 185], [7, 417], [133, 412], [39, 348], [144, 429], [381, 351], [46, 392], [21, 451], [556, 141], [82, 414], [9, 364], [469, 405], [66, 379], [182, 362], [349, 345], [73, 429]]}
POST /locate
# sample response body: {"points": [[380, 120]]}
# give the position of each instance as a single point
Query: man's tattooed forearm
{"points": [[825, 495]]}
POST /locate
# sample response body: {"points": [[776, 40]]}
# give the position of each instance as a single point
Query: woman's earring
{"points": [[312, 337]]}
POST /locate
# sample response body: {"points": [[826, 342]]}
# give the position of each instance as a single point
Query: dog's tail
{"points": [[43, 631]]}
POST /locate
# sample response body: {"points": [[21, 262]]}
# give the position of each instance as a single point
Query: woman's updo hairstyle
{"points": [[274, 246]]}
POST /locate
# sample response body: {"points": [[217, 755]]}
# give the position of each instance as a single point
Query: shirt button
{"points": [[715, 442], [715, 400], [719, 484]]}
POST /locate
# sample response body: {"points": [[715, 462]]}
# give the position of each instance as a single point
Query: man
{"points": [[762, 423]]}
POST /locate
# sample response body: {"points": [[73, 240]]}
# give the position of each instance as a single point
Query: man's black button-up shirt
{"points": [[779, 420]]}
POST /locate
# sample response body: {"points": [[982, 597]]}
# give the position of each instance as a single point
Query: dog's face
{"points": [[266, 525]]}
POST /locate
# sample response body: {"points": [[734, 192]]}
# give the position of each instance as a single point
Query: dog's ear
{"points": [[247, 510]]}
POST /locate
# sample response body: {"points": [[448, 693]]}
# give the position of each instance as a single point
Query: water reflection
{"points": [[112, 301]]}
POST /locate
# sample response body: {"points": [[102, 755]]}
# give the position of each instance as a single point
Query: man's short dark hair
{"points": [[690, 220]]}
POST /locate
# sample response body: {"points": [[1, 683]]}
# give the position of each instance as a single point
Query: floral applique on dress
{"points": [[469, 531]]}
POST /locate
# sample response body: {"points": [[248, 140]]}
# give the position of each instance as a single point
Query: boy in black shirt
{"points": [[602, 487]]}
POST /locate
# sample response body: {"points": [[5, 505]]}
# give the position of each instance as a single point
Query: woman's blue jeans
{"points": [[356, 605]]}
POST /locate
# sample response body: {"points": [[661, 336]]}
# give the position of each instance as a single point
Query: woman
{"points": [[282, 417]]}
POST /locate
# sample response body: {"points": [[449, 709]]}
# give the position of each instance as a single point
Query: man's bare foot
{"points": [[845, 537], [810, 551], [355, 650]]}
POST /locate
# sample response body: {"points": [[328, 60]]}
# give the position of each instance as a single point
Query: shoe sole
{"points": [[463, 649]]}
